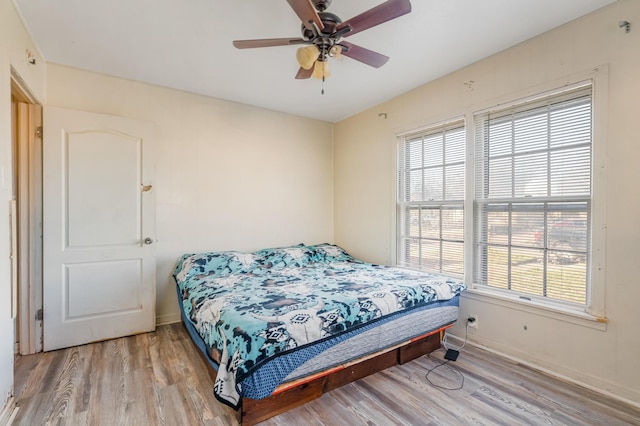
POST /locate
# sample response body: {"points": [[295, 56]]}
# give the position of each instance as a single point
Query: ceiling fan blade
{"points": [[382, 13], [306, 12], [303, 73], [267, 42], [363, 55]]}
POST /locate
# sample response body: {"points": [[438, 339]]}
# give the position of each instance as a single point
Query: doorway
{"points": [[26, 238]]}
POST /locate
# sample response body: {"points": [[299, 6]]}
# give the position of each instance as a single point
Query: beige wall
{"points": [[364, 173], [228, 176], [14, 41]]}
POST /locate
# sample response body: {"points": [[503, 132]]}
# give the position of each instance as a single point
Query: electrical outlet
{"points": [[472, 321]]}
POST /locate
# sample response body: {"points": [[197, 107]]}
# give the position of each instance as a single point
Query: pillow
{"points": [[215, 264], [331, 253], [283, 257]]}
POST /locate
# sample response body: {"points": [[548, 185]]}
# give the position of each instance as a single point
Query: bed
{"points": [[280, 326]]}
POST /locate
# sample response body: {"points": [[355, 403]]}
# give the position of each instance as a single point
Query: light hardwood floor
{"points": [[158, 379]]}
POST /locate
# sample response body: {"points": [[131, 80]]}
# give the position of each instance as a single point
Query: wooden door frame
{"points": [[27, 146]]}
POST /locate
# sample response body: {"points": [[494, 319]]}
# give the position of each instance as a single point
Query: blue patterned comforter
{"points": [[250, 307]]}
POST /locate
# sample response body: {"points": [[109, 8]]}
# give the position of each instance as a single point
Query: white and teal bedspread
{"points": [[251, 307]]}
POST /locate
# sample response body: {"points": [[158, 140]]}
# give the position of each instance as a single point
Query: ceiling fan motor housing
{"points": [[329, 20], [323, 38]]}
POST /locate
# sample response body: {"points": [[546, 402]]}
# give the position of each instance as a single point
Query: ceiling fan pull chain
{"points": [[322, 91]]}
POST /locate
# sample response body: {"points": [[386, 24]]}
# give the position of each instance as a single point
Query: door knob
{"points": [[148, 240]]}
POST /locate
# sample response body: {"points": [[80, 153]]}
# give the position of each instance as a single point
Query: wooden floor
{"points": [[158, 379]]}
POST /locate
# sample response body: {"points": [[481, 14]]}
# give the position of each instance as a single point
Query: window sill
{"points": [[556, 312]]}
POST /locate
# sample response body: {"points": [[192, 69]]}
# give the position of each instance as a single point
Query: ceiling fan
{"points": [[323, 33]]}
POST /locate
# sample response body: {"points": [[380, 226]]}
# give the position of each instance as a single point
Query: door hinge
{"points": [[39, 131], [39, 315]]}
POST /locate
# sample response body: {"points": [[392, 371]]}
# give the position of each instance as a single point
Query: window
{"points": [[431, 170], [532, 207], [528, 225]]}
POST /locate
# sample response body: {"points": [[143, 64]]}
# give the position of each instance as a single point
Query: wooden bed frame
{"points": [[294, 394]]}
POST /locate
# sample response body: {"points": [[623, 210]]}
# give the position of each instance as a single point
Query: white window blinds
{"points": [[431, 171], [532, 202]]}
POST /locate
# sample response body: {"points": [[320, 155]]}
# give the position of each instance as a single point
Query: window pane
{"points": [[454, 186], [412, 253], [571, 123], [498, 224], [433, 150], [414, 148], [527, 274], [530, 131], [453, 224], [566, 282], [430, 223], [498, 266], [571, 171], [433, 184], [501, 136], [453, 258], [414, 222], [454, 146], [528, 226], [531, 175], [568, 233], [500, 177], [415, 185]]}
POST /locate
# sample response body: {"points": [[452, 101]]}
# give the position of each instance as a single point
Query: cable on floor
{"points": [[446, 361]]}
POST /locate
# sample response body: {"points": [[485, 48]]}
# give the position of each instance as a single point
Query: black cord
{"points": [[466, 334], [450, 368]]}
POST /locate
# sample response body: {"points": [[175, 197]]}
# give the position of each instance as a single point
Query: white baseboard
{"points": [[168, 319], [9, 412], [549, 372]]}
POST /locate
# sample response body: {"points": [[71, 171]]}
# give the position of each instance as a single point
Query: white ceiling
{"points": [[186, 45]]}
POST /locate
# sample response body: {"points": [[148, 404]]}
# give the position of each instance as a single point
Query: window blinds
{"points": [[431, 183], [533, 196]]}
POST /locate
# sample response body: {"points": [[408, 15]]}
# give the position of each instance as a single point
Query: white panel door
{"points": [[98, 228]]}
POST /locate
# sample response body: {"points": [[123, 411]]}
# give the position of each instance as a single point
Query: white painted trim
{"points": [[596, 298], [545, 308], [168, 319], [393, 212], [599, 386], [469, 196], [29, 257], [14, 259], [22, 86]]}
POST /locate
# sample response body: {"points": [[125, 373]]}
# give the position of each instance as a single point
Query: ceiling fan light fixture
{"points": [[321, 70], [307, 56], [336, 52]]}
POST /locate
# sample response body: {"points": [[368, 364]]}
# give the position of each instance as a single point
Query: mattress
{"points": [[278, 315]]}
